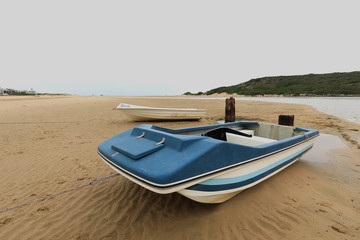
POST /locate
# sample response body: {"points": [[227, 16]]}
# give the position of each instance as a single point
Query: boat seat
{"points": [[253, 141], [220, 133]]}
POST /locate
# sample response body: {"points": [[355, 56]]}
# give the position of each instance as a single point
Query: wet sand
{"points": [[49, 145]]}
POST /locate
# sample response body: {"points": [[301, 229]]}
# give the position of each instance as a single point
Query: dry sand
{"points": [[49, 145]]}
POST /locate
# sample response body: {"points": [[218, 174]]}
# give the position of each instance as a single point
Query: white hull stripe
{"points": [[219, 184]]}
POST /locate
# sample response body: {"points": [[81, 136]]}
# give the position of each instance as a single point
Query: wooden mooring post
{"points": [[230, 110], [287, 120]]}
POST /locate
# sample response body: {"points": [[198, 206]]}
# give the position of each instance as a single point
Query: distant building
{"points": [[6, 91], [9, 91], [31, 91]]}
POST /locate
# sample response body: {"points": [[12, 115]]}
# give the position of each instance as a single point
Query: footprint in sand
{"points": [[292, 199], [43, 209], [6, 220], [321, 210], [338, 230]]}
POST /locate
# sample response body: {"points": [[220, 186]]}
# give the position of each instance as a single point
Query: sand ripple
{"points": [[56, 150]]}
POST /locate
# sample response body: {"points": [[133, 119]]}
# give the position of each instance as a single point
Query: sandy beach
{"points": [[48, 145]]}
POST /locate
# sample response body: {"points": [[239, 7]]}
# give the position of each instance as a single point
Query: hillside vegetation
{"points": [[310, 84]]}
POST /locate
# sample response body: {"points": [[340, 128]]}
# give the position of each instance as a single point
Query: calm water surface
{"points": [[321, 151], [344, 107]]}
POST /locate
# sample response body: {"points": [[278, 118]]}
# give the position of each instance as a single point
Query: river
{"points": [[344, 107]]}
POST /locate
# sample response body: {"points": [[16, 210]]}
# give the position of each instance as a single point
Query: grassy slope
{"points": [[310, 84]]}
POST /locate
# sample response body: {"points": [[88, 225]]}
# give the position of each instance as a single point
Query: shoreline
{"points": [[350, 136], [265, 99]]}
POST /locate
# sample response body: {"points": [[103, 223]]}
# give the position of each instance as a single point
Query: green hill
{"points": [[310, 84]]}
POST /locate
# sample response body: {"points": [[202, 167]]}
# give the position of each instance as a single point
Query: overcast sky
{"points": [[170, 47]]}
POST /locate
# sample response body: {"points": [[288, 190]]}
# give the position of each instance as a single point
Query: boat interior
{"points": [[251, 134]]}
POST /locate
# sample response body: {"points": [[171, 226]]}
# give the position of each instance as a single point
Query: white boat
{"points": [[208, 164], [142, 113]]}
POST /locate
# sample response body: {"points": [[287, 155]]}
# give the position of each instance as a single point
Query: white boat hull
{"points": [[259, 169], [140, 113], [244, 172]]}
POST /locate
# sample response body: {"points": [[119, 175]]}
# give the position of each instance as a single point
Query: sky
{"points": [[171, 47]]}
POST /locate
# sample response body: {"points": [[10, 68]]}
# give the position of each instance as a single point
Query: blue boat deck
{"points": [[165, 157]]}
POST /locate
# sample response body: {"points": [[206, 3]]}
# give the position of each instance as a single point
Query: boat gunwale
{"points": [[136, 107]]}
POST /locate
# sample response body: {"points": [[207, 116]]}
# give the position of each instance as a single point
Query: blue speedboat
{"points": [[208, 164]]}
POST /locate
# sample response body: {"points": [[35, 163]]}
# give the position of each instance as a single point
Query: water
{"points": [[344, 107], [321, 151]]}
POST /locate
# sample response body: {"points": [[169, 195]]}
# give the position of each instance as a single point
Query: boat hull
{"points": [[149, 115], [139, 113], [221, 186], [227, 185]]}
